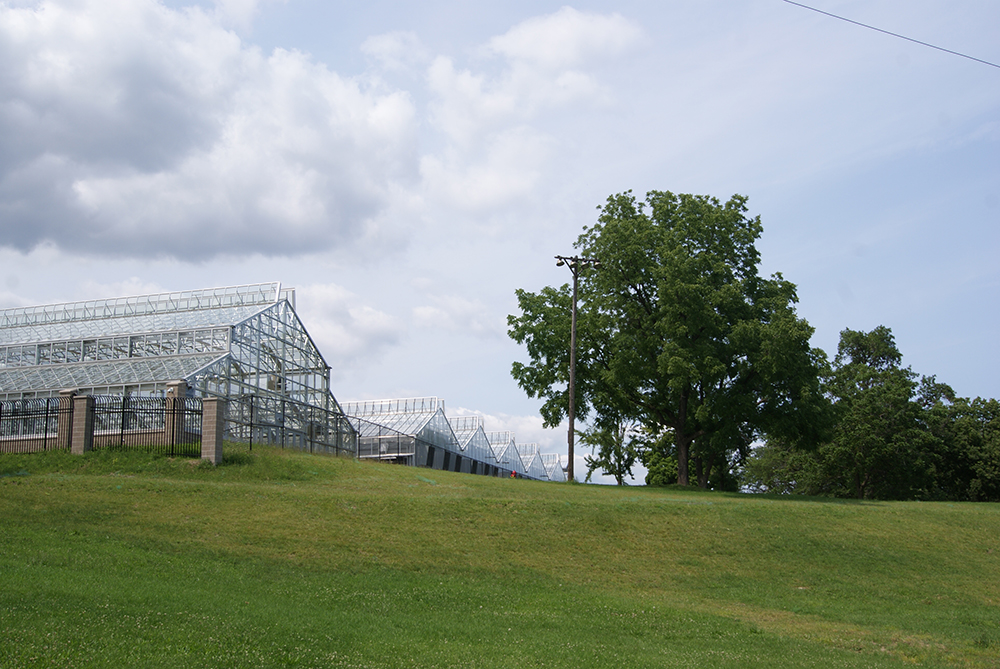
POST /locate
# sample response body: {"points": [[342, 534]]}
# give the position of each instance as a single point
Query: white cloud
{"points": [[10, 299], [506, 169], [495, 153], [240, 13], [129, 128], [398, 51], [467, 103], [349, 333], [458, 314], [567, 39], [526, 429], [95, 290]]}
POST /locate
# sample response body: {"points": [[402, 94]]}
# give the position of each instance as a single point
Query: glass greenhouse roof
{"points": [[138, 314], [531, 457], [505, 450], [227, 342], [242, 343], [472, 438], [406, 416], [409, 405], [553, 466], [101, 373], [421, 417], [465, 427]]}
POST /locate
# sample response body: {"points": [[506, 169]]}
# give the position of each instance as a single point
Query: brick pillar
{"points": [[83, 424], [173, 423], [64, 433], [213, 422]]}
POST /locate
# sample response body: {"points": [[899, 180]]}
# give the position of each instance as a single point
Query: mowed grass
{"points": [[284, 559]]}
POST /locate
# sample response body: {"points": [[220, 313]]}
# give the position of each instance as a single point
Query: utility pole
{"points": [[574, 264]]}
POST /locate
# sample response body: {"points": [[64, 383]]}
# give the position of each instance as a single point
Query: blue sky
{"points": [[407, 166]]}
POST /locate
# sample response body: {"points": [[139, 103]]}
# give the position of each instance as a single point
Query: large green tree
{"points": [[880, 448], [967, 433], [982, 429], [894, 437], [677, 330]]}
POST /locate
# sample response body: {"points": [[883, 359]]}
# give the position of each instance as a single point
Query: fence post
{"points": [[83, 425], [45, 423], [213, 421], [173, 419], [64, 433]]}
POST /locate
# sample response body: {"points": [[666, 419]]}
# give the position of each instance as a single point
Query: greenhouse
{"points": [[472, 439], [531, 459], [416, 431], [242, 343], [553, 466], [405, 431], [505, 449]]}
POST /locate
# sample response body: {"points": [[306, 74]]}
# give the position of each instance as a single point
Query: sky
{"points": [[408, 166]]}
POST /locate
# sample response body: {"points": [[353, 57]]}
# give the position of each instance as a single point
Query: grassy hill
{"points": [[284, 559]]}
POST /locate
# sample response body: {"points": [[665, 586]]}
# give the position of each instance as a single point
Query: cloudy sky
{"points": [[407, 166]]}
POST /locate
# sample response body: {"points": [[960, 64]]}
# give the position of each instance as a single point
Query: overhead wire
{"points": [[908, 39]]}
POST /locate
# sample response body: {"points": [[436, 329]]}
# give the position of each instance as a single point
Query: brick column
{"points": [[213, 422], [83, 425], [64, 433]]}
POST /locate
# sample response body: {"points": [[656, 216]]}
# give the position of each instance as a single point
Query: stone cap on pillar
{"points": [[177, 388]]}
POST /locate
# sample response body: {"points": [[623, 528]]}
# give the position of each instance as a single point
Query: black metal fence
{"points": [[152, 424], [31, 425], [282, 422]]}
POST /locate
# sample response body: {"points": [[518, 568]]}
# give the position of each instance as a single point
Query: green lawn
{"points": [[283, 559]]}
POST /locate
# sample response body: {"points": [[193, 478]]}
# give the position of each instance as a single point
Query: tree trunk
{"points": [[682, 442]]}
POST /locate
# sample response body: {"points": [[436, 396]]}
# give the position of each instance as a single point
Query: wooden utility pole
{"points": [[573, 263]]}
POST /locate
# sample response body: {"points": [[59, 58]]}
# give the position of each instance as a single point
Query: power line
{"points": [[908, 39]]}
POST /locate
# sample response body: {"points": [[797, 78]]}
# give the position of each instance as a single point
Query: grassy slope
{"points": [[282, 559]]}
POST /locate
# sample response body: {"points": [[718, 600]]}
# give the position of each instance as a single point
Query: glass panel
{"points": [[121, 348], [168, 344], [186, 343], [203, 341]]}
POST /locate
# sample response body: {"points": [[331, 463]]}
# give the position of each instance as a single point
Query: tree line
{"points": [[692, 363]]}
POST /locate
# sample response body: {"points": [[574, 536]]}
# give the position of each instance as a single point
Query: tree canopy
{"points": [[894, 437], [678, 332]]}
